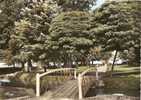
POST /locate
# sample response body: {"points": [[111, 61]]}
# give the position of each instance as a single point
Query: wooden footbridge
{"points": [[76, 87]]}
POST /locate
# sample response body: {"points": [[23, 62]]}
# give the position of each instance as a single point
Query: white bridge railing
{"points": [[38, 76], [82, 82]]}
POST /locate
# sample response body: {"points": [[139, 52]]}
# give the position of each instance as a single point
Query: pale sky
{"points": [[98, 4]]}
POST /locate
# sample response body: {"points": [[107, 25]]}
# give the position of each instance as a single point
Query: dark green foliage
{"points": [[97, 53], [28, 38], [70, 35], [116, 25], [132, 56], [30, 33], [41, 32], [9, 13], [73, 5]]}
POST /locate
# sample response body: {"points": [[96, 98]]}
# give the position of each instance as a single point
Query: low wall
{"points": [[111, 97]]}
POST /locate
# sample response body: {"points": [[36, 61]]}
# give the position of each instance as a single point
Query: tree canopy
{"points": [[9, 11], [67, 30], [30, 33], [116, 26], [73, 5], [69, 33]]}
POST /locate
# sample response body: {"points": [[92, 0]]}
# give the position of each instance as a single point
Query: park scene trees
{"points": [[38, 36]]}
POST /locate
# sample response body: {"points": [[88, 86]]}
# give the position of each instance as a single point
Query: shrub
{"points": [[28, 80]]}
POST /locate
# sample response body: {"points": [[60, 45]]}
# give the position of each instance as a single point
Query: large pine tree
{"points": [[116, 25], [30, 33], [69, 34]]}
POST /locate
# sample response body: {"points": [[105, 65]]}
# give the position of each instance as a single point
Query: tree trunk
{"points": [[47, 64], [22, 65], [39, 65], [77, 64], [114, 61], [92, 62], [59, 64], [14, 65], [67, 64], [29, 64], [87, 62], [68, 61], [26, 69], [83, 61], [54, 64], [44, 66]]}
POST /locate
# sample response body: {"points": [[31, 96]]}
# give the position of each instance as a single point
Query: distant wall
{"points": [[112, 97], [108, 1]]}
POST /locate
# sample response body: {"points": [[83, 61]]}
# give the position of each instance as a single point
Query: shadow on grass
{"points": [[127, 85], [126, 70], [9, 70]]}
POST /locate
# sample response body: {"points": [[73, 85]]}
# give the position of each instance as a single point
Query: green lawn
{"points": [[126, 68], [129, 85], [81, 69], [127, 82]]}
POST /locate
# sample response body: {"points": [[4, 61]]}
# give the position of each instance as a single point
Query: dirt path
{"points": [[12, 92]]}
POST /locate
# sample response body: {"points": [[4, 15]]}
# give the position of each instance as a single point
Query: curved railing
{"points": [[84, 82], [38, 76]]}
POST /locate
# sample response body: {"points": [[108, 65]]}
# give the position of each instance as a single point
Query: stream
{"points": [[8, 91]]}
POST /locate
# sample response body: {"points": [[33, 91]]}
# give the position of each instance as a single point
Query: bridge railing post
{"points": [[38, 76], [80, 86], [37, 84], [80, 82], [75, 74], [97, 77]]}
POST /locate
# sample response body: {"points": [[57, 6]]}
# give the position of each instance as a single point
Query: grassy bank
{"points": [[81, 69], [127, 69], [9, 70], [125, 81], [126, 85], [28, 80]]}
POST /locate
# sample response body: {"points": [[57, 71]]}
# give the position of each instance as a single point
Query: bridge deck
{"points": [[67, 90]]}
